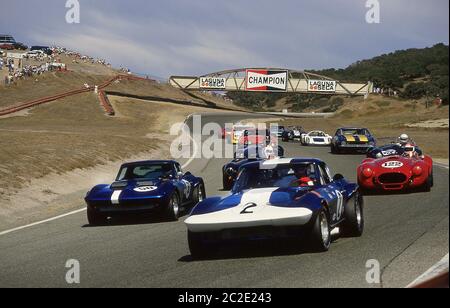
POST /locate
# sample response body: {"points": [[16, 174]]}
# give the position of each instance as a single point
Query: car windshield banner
{"points": [[213, 83], [321, 86], [266, 81]]}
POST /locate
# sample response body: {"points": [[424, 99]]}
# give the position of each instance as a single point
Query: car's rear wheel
{"points": [[320, 237], [197, 247], [354, 216], [96, 219], [173, 207]]}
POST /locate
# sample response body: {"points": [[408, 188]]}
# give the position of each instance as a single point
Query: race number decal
{"points": [[188, 187], [145, 189], [392, 165], [389, 152], [247, 208]]}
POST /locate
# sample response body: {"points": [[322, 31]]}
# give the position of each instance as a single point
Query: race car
{"points": [[293, 134], [316, 138], [238, 132], [158, 187], [281, 198], [242, 156], [394, 168], [255, 137], [352, 139]]}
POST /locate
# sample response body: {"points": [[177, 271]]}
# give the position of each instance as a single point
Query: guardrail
{"points": [[103, 99]]}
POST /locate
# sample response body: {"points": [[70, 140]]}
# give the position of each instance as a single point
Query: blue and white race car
{"points": [[295, 198], [158, 187]]}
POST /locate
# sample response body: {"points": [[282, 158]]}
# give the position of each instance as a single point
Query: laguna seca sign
{"points": [[213, 83], [266, 81], [321, 86]]}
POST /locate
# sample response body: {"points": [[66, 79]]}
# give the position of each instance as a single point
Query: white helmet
{"points": [[404, 138]]}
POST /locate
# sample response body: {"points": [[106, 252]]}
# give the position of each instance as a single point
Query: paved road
{"points": [[407, 234]]}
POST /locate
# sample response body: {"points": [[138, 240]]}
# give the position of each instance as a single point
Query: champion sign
{"points": [[270, 81]]}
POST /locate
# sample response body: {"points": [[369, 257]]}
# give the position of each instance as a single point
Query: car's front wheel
{"points": [[173, 207], [227, 183], [320, 237], [199, 194], [354, 216], [96, 219]]}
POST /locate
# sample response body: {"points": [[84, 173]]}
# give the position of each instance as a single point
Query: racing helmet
{"points": [[403, 139], [410, 150]]}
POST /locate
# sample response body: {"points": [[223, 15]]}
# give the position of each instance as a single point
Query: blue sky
{"points": [[182, 37]]}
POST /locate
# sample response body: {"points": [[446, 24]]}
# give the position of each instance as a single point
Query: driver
{"points": [[403, 140], [302, 178], [271, 151], [411, 150]]}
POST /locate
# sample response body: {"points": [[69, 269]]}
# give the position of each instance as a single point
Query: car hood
{"points": [[262, 197], [356, 138], [131, 189]]}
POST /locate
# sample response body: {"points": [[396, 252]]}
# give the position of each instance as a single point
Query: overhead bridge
{"points": [[269, 80]]}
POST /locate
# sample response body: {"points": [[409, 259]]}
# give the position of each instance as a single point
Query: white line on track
{"points": [[42, 221], [436, 270]]}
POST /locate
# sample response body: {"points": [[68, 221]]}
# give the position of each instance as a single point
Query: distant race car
{"points": [[157, 187], [316, 138], [392, 168], [352, 140], [292, 134], [238, 132], [292, 198], [242, 156], [255, 137]]}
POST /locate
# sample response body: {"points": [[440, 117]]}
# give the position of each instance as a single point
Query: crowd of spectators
{"points": [[42, 62]]}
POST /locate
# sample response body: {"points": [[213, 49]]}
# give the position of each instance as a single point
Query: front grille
{"points": [[392, 178], [319, 140]]}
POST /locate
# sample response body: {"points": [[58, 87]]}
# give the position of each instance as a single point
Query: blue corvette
{"points": [[158, 187], [350, 139], [278, 198]]}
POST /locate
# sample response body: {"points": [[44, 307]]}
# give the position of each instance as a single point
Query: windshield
{"points": [[249, 153], [355, 132], [317, 134], [145, 172], [282, 176]]}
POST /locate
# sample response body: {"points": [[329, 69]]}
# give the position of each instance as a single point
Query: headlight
{"points": [[372, 143], [367, 172], [230, 171], [417, 170], [343, 143]]}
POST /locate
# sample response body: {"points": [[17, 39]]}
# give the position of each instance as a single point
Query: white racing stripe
{"points": [[115, 197]]}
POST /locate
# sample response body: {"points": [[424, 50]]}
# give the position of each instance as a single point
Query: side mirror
{"points": [[338, 177]]}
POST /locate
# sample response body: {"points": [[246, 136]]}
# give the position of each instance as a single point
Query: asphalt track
{"points": [[406, 234]]}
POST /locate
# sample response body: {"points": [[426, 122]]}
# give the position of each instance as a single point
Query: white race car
{"points": [[280, 198], [316, 138]]}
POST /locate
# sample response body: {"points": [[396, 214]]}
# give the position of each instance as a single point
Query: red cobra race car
{"points": [[394, 168]]}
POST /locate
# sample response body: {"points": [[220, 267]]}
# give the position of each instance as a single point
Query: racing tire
{"points": [[96, 219], [320, 237], [199, 194], [334, 150], [198, 249], [354, 216], [173, 207]]}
